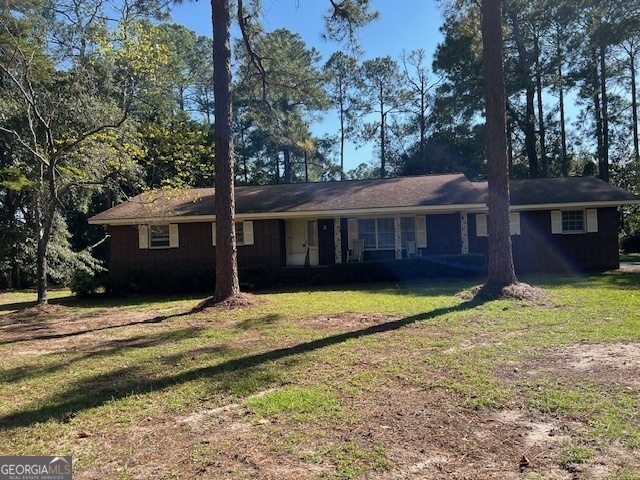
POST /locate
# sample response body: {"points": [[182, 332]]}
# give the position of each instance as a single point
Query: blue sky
{"points": [[403, 25]]}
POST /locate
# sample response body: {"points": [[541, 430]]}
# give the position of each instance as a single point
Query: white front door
{"points": [[302, 242]]}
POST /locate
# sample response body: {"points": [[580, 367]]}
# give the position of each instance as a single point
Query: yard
{"points": [[374, 382]]}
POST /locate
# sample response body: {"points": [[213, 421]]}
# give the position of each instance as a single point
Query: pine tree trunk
{"points": [[634, 109], [544, 163], [563, 126], [306, 166], [383, 140], [528, 123], [604, 161], [597, 111], [342, 139], [227, 284], [500, 263], [530, 141], [423, 123], [287, 164]]}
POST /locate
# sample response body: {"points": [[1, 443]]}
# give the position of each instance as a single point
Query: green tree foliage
{"points": [[382, 96], [343, 81], [65, 105], [284, 97], [553, 51], [179, 153], [344, 18]]}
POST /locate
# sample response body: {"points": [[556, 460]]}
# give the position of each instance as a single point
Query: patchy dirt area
{"points": [[425, 433], [66, 328], [610, 363], [346, 321]]}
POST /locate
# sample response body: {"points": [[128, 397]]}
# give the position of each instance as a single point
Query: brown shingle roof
{"points": [[435, 191], [566, 190]]}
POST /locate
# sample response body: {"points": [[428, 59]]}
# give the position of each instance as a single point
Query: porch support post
{"points": [[464, 232], [337, 240], [398, 231]]}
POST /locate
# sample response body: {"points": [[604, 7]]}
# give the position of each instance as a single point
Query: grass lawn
{"points": [[376, 382]]}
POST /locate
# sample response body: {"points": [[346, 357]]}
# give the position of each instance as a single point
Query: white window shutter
{"points": [[514, 223], [143, 237], [556, 221], [481, 225], [421, 231], [353, 231], [213, 233], [248, 232], [174, 239], [592, 220]]}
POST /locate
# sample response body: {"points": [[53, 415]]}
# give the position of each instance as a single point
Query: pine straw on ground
{"points": [[515, 291], [235, 302], [418, 430]]}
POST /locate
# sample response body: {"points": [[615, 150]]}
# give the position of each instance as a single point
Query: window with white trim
{"points": [[380, 234], [483, 224], [158, 236], [386, 233], [367, 233], [377, 233], [244, 233], [407, 230], [239, 233], [572, 221]]}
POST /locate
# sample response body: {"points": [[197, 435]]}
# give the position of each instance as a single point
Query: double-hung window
{"points": [[407, 230], [377, 233], [158, 236], [380, 234], [367, 233], [386, 233], [239, 233], [574, 221], [244, 233]]}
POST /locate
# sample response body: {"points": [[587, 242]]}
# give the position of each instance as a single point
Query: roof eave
{"points": [[558, 206], [357, 212], [341, 213]]}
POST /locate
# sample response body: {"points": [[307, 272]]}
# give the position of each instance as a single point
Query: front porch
{"points": [[328, 241]]}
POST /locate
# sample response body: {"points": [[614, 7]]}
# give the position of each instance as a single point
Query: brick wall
{"points": [[196, 251], [444, 235], [536, 249]]}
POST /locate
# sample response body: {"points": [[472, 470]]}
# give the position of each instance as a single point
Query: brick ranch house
{"points": [[559, 224]]}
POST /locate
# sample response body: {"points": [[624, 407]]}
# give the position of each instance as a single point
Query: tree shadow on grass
{"points": [[259, 322], [109, 348], [100, 301], [120, 383], [30, 331]]}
